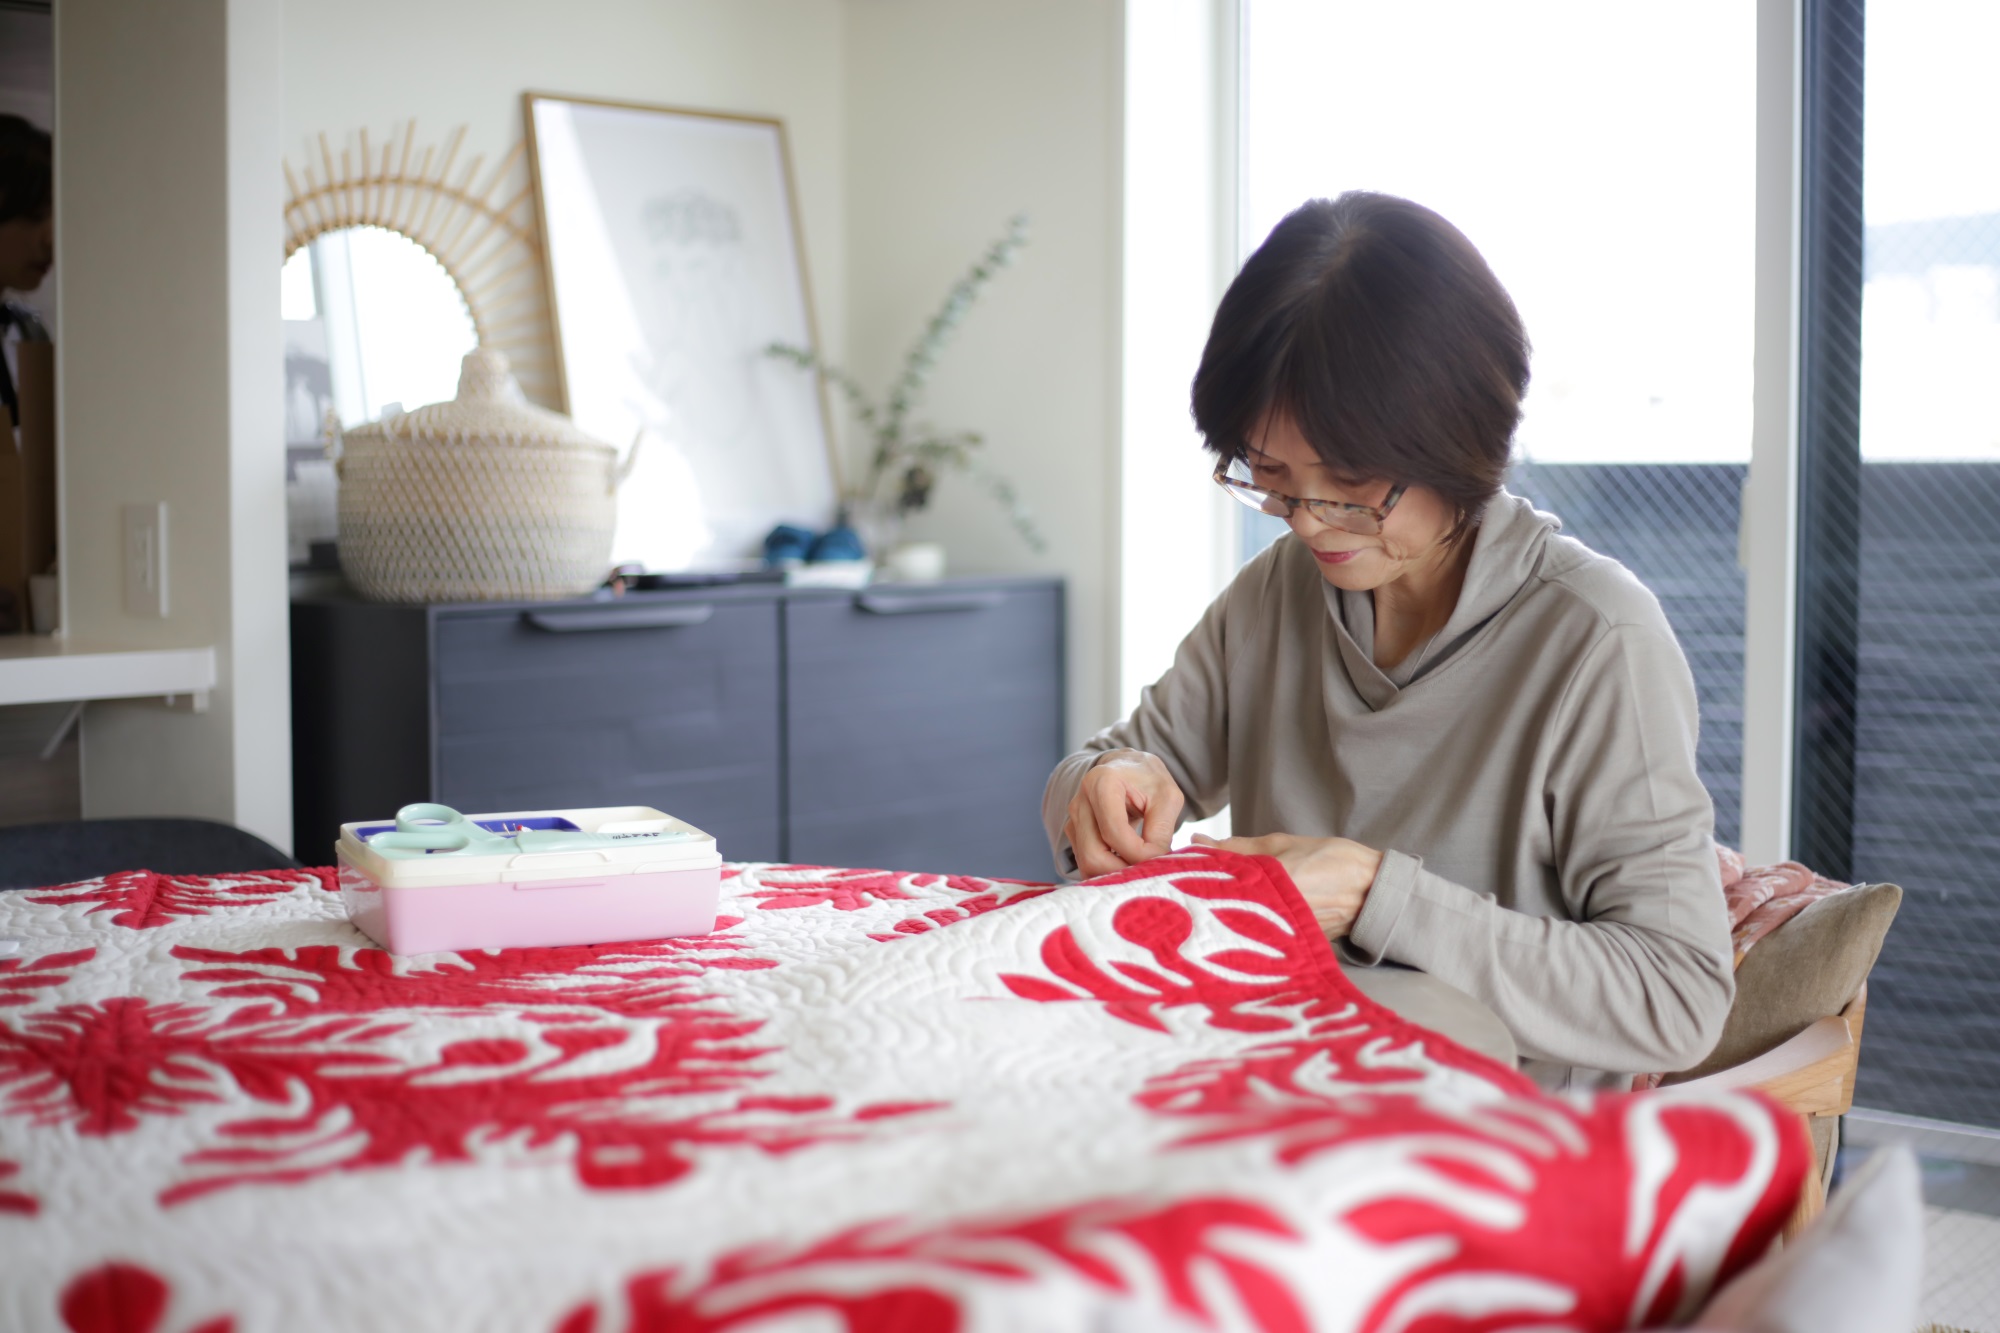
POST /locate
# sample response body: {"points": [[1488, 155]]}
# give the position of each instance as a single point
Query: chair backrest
{"points": [[1807, 969], [37, 855]]}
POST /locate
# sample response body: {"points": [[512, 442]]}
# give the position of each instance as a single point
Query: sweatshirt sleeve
{"points": [[1639, 978], [1182, 718]]}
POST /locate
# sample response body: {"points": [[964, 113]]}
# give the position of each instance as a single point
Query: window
{"points": [[1903, 742], [1602, 159]]}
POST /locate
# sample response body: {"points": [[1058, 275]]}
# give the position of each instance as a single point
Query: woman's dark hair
{"points": [[1378, 328], [24, 171]]}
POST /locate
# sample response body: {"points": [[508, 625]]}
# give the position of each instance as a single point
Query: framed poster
{"points": [[674, 259]]}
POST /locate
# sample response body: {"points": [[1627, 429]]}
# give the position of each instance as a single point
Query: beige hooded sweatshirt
{"points": [[1530, 779]]}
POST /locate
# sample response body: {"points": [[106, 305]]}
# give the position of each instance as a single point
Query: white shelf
{"points": [[39, 669]]}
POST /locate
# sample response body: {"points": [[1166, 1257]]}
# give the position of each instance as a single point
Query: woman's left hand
{"points": [[1333, 874]]}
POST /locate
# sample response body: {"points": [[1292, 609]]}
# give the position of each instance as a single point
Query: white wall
{"points": [[374, 64], [918, 127], [170, 388], [961, 113], [350, 65]]}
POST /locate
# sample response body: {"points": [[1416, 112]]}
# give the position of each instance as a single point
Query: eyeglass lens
{"points": [[1361, 522]]}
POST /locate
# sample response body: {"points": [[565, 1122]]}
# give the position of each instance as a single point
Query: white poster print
{"points": [[674, 265]]}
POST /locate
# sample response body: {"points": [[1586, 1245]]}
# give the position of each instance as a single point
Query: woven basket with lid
{"points": [[483, 498]]}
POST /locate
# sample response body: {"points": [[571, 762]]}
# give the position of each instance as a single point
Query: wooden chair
{"points": [[1812, 1074], [1805, 947]]}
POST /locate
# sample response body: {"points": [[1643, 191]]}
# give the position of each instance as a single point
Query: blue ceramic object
{"points": [[787, 544], [838, 543]]}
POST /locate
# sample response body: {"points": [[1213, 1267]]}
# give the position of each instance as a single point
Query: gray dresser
{"points": [[907, 726]]}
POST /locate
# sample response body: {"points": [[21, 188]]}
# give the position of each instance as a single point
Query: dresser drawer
{"points": [[669, 704], [923, 724]]}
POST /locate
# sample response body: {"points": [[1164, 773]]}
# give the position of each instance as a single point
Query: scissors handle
{"points": [[428, 814], [425, 826], [431, 839]]}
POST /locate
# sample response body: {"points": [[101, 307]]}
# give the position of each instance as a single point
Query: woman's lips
{"points": [[1334, 557]]}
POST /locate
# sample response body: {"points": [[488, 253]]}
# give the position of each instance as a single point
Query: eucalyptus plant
{"points": [[907, 456]]}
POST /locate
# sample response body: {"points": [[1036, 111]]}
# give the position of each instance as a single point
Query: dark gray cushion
{"points": [[1806, 969], [33, 856]]}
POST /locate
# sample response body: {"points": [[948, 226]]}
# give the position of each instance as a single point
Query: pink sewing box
{"points": [[436, 880]]}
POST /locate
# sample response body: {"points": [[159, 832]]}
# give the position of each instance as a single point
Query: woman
{"points": [[27, 243], [1469, 739]]}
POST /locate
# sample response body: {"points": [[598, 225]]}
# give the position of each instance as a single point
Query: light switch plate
{"points": [[146, 560]]}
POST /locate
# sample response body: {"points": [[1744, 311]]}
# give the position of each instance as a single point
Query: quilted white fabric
{"points": [[867, 1101]]}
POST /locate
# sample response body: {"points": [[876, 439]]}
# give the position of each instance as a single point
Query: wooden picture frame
{"points": [[674, 256]]}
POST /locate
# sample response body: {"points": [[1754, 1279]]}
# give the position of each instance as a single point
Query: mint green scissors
{"points": [[428, 829], [424, 828]]}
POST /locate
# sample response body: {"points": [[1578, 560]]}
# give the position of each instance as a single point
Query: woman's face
{"points": [[1412, 537], [27, 249]]}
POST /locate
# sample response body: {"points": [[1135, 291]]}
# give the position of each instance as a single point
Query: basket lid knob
{"points": [[484, 376]]}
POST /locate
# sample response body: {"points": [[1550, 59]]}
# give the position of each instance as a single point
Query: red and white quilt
{"points": [[867, 1101]]}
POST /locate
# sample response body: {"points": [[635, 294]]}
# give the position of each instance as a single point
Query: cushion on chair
{"points": [[33, 856], [1857, 1269], [1766, 897], [1801, 971]]}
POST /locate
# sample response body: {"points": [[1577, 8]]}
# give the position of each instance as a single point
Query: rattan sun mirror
{"points": [[478, 224]]}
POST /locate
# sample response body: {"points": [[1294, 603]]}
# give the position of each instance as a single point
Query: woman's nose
{"points": [[1303, 522]]}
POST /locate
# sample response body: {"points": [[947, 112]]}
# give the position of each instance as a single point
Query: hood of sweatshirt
{"points": [[1508, 546]]}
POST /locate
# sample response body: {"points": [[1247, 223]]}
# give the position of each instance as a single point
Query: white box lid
{"points": [[632, 851]]}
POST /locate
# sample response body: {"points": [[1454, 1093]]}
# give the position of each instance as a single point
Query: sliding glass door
{"points": [[1601, 156]]}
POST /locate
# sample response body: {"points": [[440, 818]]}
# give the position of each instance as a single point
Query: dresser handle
{"points": [[677, 616], [908, 604]]}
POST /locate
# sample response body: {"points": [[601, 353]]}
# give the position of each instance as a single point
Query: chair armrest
{"points": [[1812, 1074]]}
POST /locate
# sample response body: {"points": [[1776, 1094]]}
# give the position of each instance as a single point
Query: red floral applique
{"points": [[1422, 1174], [789, 887], [123, 1298], [1275, 1084], [13, 1201], [1266, 988], [1358, 1051], [20, 978], [102, 1067], [1483, 1174], [143, 900], [330, 1032], [637, 981], [885, 1275], [987, 895], [1572, 1182]]}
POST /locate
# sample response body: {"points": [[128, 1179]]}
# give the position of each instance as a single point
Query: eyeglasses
{"points": [[1362, 520]]}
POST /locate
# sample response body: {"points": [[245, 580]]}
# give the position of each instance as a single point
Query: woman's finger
{"points": [[1092, 857], [1246, 846], [1112, 805], [1163, 816]]}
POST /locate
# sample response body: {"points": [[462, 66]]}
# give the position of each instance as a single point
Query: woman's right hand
{"points": [[1125, 811]]}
